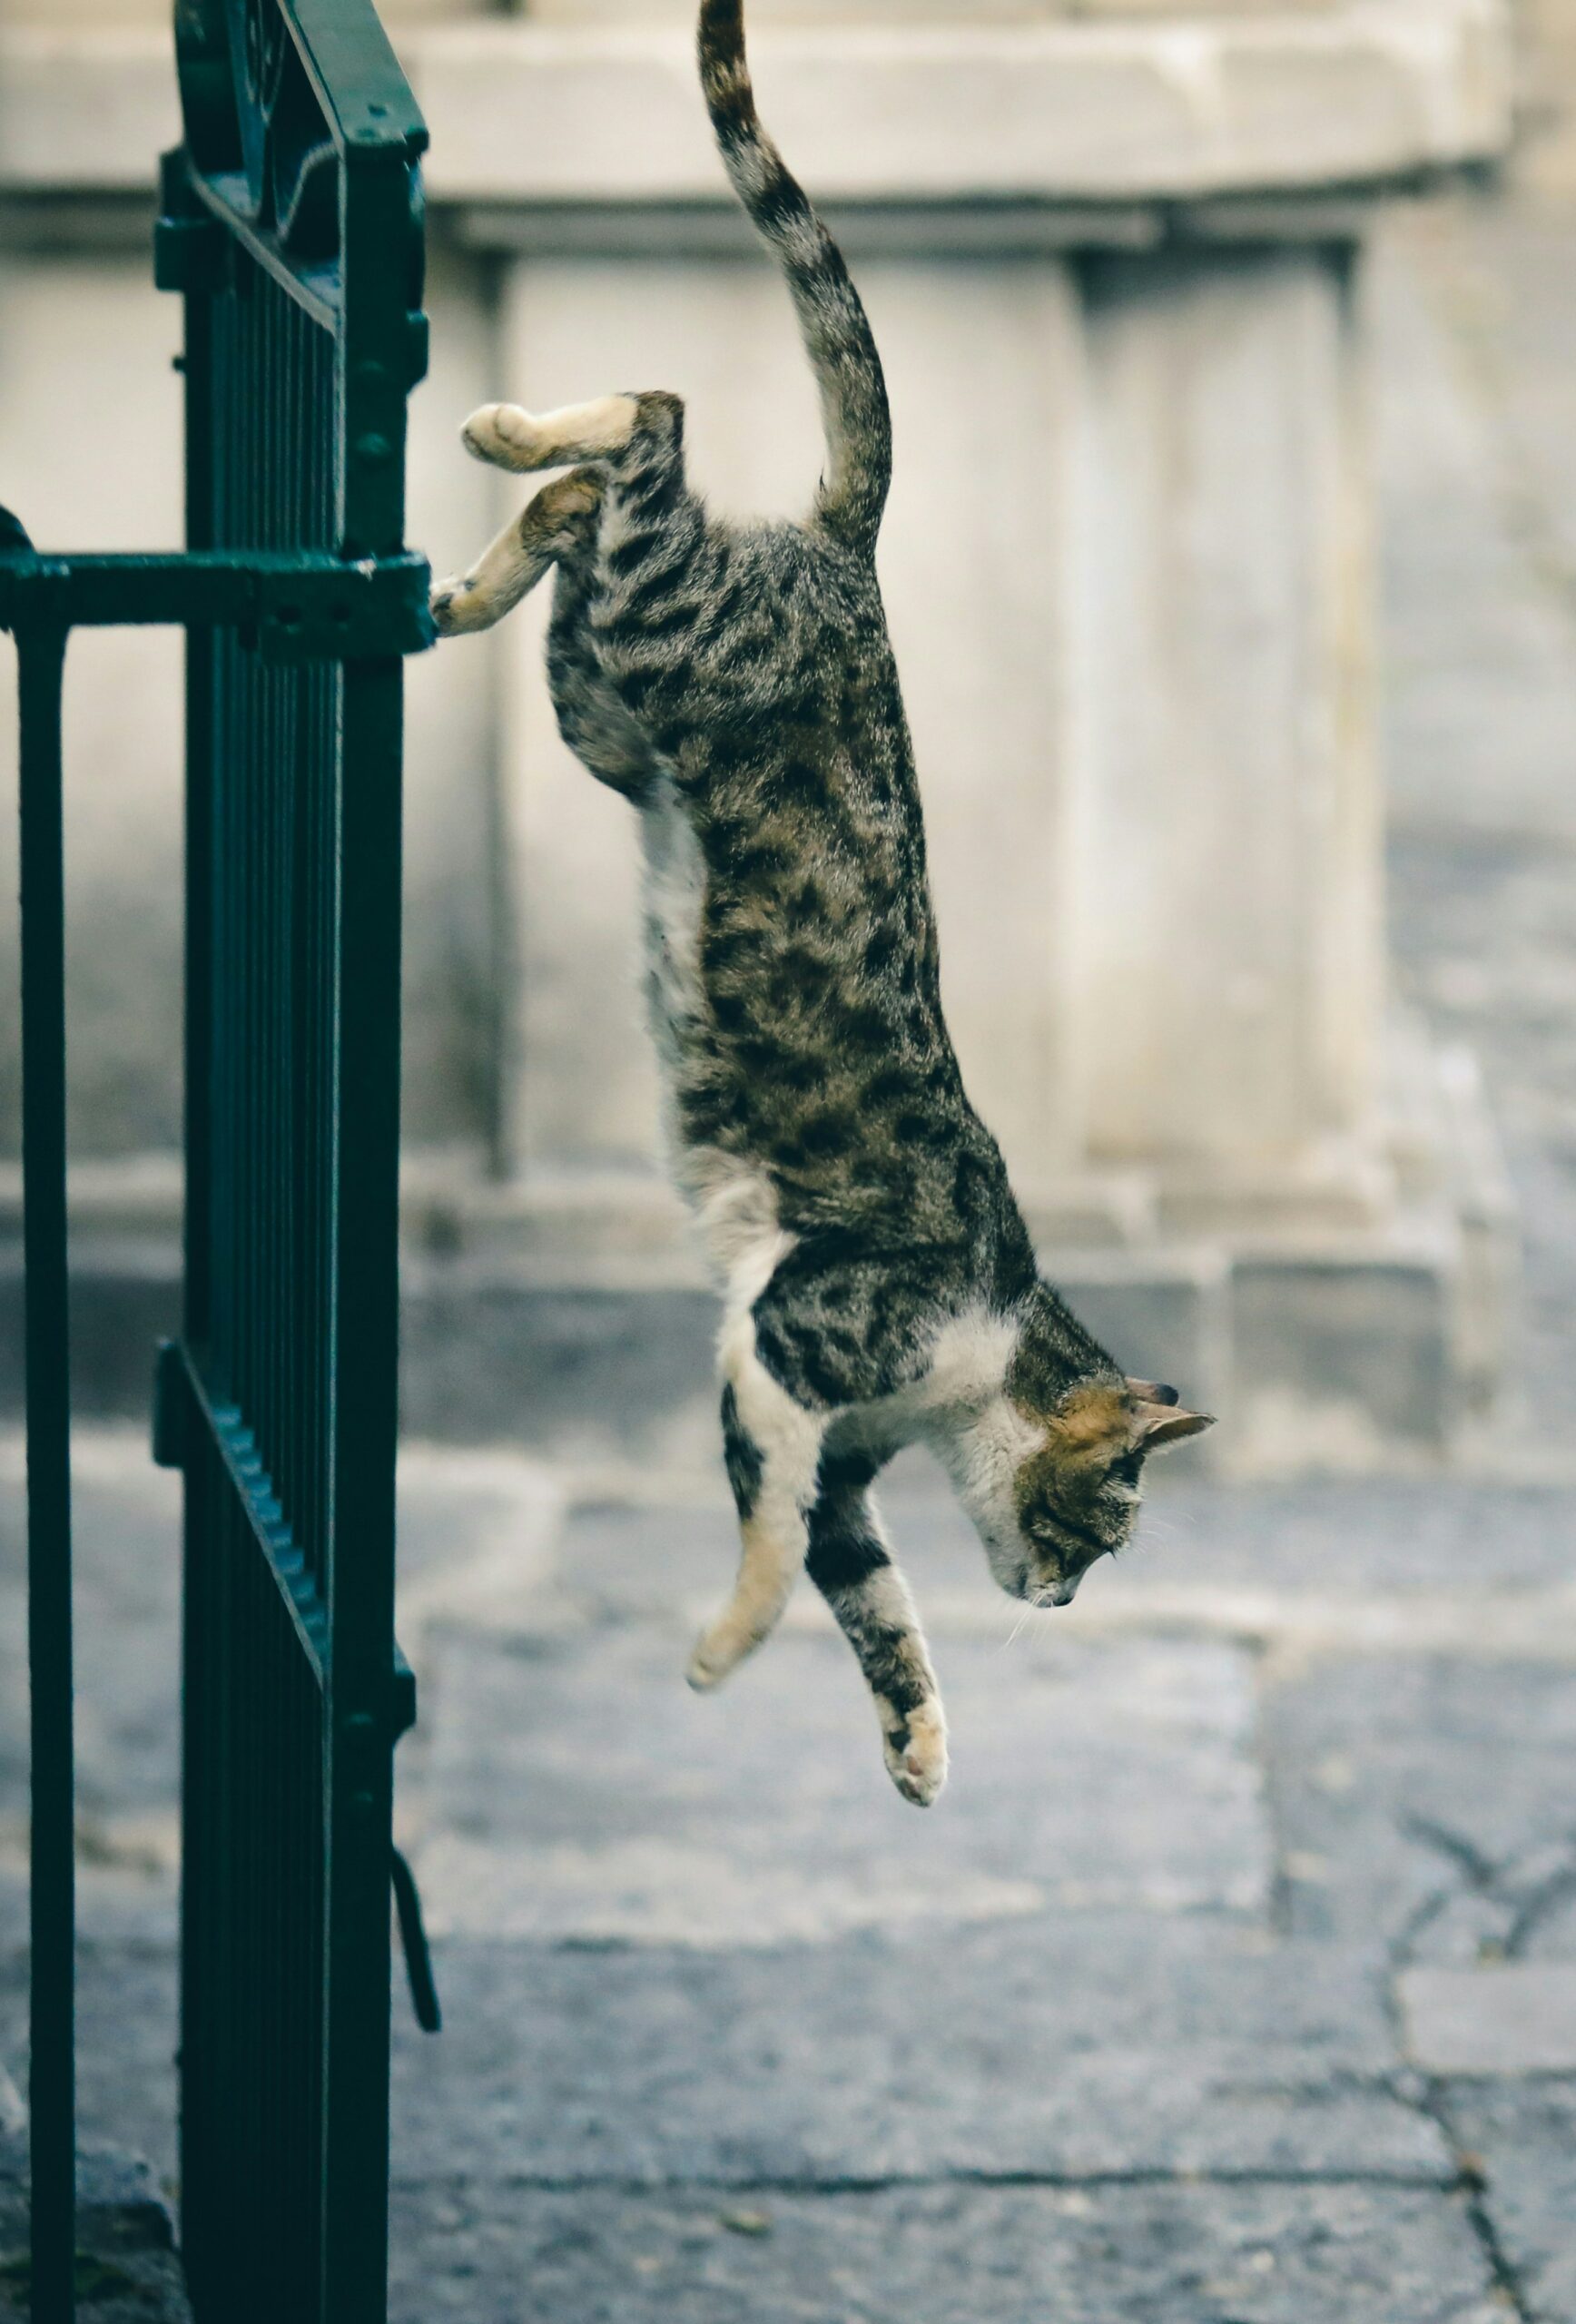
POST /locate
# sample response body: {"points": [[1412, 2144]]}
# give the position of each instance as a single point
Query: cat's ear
{"points": [[1151, 1391], [1160, 1419]]}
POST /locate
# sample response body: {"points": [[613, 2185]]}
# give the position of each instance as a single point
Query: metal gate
{"points": [[292, 226]]}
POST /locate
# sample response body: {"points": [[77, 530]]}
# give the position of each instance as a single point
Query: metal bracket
{"points": [[291, 605], [172, 1402], [190, 255], [414, 1945]]}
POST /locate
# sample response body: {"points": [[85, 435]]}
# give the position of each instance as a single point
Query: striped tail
{"points": [[837, 333]]}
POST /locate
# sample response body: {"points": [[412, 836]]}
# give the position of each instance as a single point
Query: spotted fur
{"points": [[737, 685]]}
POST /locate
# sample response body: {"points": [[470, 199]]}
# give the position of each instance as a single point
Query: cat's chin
{"points": [[1008, 1571]]}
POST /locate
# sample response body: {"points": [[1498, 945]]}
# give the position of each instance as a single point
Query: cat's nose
{"points": [[1065, 1591]]}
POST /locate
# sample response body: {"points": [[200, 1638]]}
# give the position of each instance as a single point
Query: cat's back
{"points": [[795, 693], [812, 1044]]}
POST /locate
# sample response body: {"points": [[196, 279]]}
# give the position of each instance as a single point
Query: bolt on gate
{"points": [[292, 226]]}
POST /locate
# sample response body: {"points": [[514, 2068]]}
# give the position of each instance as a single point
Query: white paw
{"points": [[716, 1657], [916, 1756], [501, 434], [458, 606]]}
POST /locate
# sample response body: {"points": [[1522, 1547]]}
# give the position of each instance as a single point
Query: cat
{"points": [[736, 685]]}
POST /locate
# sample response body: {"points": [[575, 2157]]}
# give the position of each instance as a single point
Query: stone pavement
{"points": [[1234, 1980]]}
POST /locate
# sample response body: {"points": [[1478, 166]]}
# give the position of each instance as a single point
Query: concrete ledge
{"points": [[1367, 93], [1098, 112], [86, 111], [1327, 1361], [571, 1314]]}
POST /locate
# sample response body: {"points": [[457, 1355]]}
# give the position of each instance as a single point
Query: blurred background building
{"points": [[1119, 255]]}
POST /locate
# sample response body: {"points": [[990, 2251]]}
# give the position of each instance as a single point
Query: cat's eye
{"points": [[1127, 1469]]}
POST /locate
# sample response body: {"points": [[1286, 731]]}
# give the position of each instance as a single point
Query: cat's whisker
{"points": [[1016, 1633], [1151, 1530]]}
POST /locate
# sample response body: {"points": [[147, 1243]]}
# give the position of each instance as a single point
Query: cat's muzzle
{"points": [[1057, 1593]]}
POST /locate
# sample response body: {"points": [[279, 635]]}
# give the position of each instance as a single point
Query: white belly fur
{"points": [[675, 895], [736, 1206]]}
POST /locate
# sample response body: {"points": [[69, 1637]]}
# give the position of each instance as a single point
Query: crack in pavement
{"points": [[1428, 2096], [1502, 1883], [1474, 2185], [1559, 1888]]}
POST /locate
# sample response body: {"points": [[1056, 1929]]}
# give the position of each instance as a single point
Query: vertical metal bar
{"points": [[198, 1754], [202, 648], [380, 284], [41, 654], [366, 1303]]}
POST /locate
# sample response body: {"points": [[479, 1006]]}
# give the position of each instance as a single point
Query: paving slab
{"points": [[956, 2255], [575, 1787], [1504, 2017], [1075, 2044], [127, 1545], [1399, 1783], [1524, 2137], [126, 2036]]}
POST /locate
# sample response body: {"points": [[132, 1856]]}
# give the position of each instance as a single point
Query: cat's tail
{"points": [[837, 333]]}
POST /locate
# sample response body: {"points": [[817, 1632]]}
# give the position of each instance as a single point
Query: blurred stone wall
{"points": [[1547, 164], [90, 458], [1132, 598]]}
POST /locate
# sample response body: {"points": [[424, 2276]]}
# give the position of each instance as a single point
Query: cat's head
{"points": [[1051, 1469], [1076, 1492]]}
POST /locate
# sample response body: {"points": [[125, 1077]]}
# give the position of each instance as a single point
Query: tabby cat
{"points": [[736, 685]]}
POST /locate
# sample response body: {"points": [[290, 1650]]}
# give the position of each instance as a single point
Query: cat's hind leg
{"points": [[851, 1565], [773, 1454], [509, 438], [558, 523]]}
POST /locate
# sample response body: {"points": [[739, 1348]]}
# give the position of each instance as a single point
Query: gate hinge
{"points": [[170, 1403], [403, 1705], [291, 605]]}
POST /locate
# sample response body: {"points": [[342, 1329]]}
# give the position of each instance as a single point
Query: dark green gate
{"points": [[292, 227]]}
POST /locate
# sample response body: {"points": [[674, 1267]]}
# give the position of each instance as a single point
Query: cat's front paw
{"points": [[716, 1657], [916, 1755], [458, 607]]}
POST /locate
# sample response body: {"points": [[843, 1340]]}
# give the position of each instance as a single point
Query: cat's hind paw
{"points": [[503, 435], [916, 1755]]}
